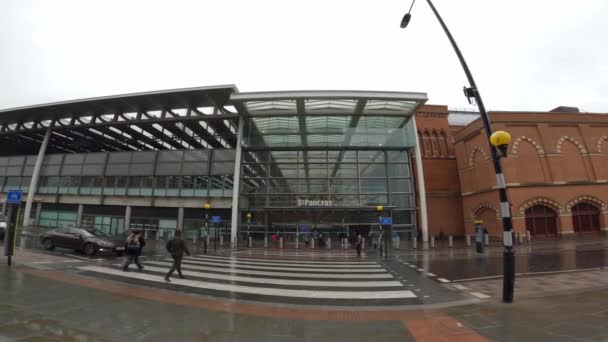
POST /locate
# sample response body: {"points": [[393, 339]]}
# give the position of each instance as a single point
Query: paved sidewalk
{"points": [[526, 287], [579, 315], [56, 305]]}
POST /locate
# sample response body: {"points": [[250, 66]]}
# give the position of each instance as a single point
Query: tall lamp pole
{"points": [[499, 142]]}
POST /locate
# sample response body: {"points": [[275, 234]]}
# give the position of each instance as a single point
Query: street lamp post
{"points": [[499, 142]]}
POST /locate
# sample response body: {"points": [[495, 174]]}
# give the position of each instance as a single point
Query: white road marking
{"points": [[258, 290], [247, 262], [323, 270], [460, 287], [480, 295], [431, 274], [285, 261], [420, 269], [349, 255], [75, 256], [261, 280], [342, 275], [53, 262], [443, 280]]}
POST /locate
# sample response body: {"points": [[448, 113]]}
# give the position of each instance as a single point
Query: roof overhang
{"points": [[328, 102], [135, 102]]}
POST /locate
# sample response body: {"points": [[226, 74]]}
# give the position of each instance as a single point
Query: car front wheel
{"points": [[48, 244], [89, 249]]}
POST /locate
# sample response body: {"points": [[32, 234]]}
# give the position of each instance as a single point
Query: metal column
{"points": [[34, 182], [234, 222], [79, 215], [38, 213], [424, 221], [180, 219], [127, 217]]}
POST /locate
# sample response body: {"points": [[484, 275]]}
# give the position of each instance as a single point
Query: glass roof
{"points": [[328, 118]]}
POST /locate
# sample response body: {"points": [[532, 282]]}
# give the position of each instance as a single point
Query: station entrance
{"points": [[328, 227]]}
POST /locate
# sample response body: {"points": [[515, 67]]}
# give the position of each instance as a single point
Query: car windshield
{"points": [[86, 233], [98, 233]]}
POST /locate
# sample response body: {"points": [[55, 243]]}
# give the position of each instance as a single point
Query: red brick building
{"points": [[556, 172]]}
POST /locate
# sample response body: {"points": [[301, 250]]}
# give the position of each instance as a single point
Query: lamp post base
{"points": [[508, 283]]}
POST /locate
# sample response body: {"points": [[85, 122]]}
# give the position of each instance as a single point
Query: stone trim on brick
{"points": [[542, 201], [474, 151], [561, 140], [586, 199], [528, 139], [481, 206], [600, 142]]}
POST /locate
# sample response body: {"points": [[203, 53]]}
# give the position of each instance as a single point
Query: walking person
{"points": [[176, 247], [359, 244], [135, 243]]}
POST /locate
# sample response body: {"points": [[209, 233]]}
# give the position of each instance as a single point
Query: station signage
{"points": [[308, 203]]}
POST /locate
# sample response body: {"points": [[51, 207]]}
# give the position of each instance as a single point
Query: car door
{"points": [[58, 236], [73, 240]]}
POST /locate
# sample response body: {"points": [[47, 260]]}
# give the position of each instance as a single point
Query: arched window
{"points": [[541, 221], [585, 218]]}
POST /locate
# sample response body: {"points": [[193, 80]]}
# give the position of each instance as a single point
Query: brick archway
{"points": [[483, 206], [476, 150], [558, 147], [490, 216], [540, 201], [528, 139], [586, 199]]}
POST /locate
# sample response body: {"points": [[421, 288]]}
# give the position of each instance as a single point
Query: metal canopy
{"points": [[191, 118]]}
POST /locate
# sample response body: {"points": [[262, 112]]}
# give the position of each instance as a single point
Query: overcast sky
{"points": [[524, 54]]}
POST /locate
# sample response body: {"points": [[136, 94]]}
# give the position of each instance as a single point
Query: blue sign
{"points": [[216, 219], [13, 196], [385, 221], [303, 228]]}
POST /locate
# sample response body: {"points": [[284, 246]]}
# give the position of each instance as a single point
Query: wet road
{"points": [[533, 263]]}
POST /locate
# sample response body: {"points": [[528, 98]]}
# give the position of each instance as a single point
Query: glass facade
{"points": [[375, 177], [326, 163]]}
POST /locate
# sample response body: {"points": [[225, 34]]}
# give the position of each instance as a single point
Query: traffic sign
{"points": [[303, 228], [216, 219], [386, 221], [13, 196]]}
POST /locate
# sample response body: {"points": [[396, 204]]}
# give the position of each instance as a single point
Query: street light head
{"points": [[406, 20], [380, 208], [501, 140], [207, 206]]}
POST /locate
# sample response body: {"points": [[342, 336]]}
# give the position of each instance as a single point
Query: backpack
{"points": [[133, 246]]}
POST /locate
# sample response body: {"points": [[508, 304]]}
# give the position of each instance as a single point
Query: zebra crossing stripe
{"points": [[281, 268], [247, 262], [224, 269], [324, 294], [349, 254], [312, 262], [274, 281]]}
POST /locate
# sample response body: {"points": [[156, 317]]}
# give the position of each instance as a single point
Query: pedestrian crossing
{"points": [[314, 253], [270, 280]]}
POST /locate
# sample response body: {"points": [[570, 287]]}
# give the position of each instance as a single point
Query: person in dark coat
{"points": [[134, 244], [359, 244], [176, 247]]}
